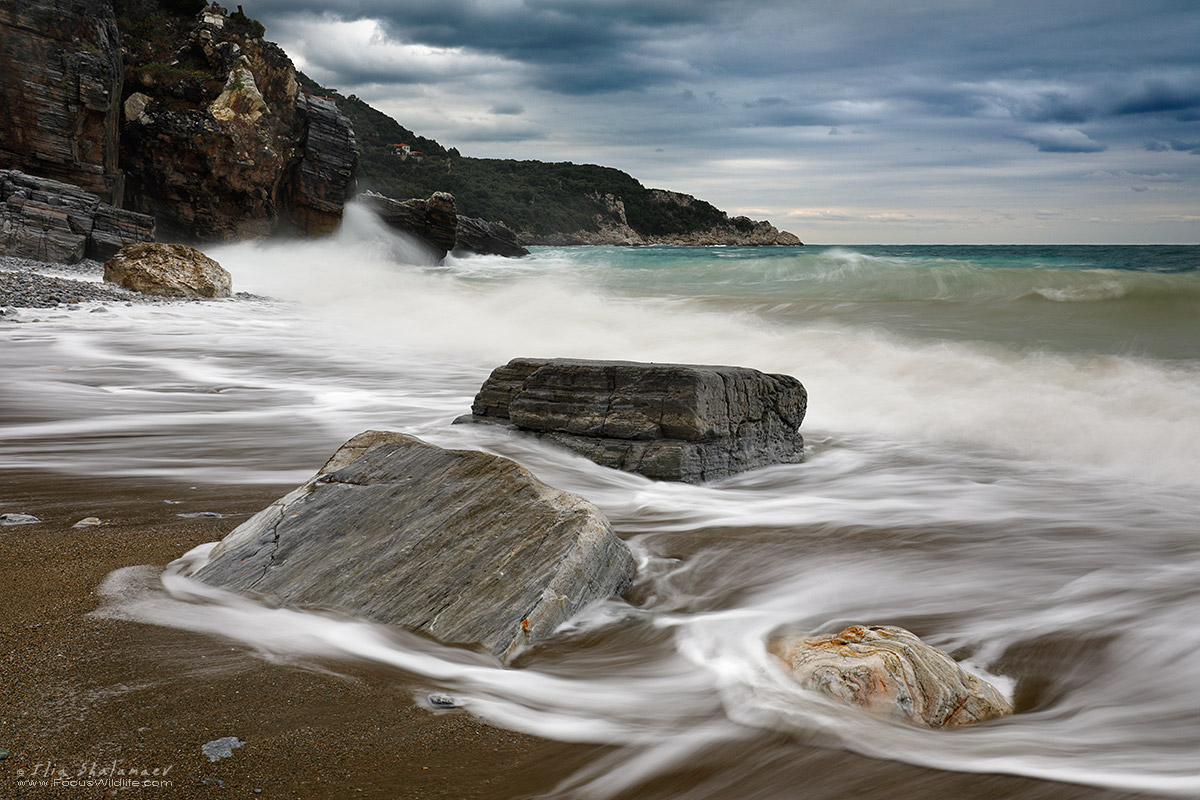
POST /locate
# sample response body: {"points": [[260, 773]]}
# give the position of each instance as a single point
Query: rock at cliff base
{"points": [[487, 239], [465, 546], [434, 221], [58, 222], [889, 672], [168, 270], [680, 422]]}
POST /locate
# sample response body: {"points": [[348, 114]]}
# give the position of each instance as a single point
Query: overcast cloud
{"points": [[843, 122]]}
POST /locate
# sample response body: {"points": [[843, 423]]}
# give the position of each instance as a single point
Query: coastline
{"points": [[85, 692]]}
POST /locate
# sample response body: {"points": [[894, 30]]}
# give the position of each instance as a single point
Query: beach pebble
{"points": [[25, 283], [87, 522], [201, 514], [221, 748], [439, 700], [18, 519]]}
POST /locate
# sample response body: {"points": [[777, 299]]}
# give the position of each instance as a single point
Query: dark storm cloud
{"points": [[572, 47], [1064, 140], [947, 54], [1163, 97], [929, 88]]}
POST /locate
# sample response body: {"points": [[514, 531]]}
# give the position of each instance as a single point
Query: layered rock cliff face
{"points": [[60, 87], [218, 141], [54, 221], [613, 228], [172, 109]]}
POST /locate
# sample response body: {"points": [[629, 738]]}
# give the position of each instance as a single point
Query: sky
{"points": [[842, 121]]}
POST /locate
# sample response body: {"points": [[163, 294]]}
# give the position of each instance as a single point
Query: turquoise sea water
{"points": [[1003, 456], [1113, 299]]}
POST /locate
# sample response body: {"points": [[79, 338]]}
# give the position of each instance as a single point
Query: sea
{"points": [[1003, 456]]}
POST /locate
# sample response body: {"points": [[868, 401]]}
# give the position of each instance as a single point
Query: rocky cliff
{"points": [[436, 222], [184, 112], [60, 86], [218, 141], [54, 221], [174, 109]]}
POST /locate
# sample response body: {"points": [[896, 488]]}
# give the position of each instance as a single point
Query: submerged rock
{"points": [[169, 270], [680, 422], [463, 545], [436, 223], [889, 672]]}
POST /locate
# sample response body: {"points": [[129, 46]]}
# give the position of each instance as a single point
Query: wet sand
{"points": [[82, 692]]}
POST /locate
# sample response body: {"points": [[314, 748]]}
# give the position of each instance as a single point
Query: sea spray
{"points": [[1011, 475], [356, 339]]}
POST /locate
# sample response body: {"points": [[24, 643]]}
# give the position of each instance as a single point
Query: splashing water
{"points": [[1002, 458]]}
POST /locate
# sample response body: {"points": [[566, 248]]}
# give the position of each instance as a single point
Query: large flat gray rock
{"points": [[463, 545], [683, 422]]}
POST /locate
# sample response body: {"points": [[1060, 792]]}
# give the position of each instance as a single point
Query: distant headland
{"points": [[183, 112]]}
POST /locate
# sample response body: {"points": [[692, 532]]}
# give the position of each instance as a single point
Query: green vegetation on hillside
{"points": [[533, 197]]}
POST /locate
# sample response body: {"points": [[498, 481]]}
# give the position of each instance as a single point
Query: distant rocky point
{"points": [[613, 228], [544, 203]]}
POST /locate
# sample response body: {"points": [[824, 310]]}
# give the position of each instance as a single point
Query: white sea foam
{"points": [[710, 681], [994, 498], [360, 340]]}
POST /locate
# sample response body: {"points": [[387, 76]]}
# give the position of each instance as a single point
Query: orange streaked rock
{"points": [[889, 672]]}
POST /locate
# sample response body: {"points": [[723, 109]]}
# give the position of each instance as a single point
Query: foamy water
{"points": [[1023, 497]]}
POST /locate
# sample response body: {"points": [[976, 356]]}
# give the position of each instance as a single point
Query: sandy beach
{"points": [[83, 693]]}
